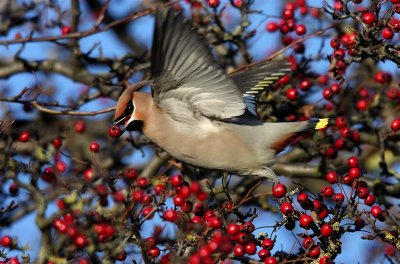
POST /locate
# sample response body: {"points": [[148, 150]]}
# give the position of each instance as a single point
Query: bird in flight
{"points": [[200, 115]]}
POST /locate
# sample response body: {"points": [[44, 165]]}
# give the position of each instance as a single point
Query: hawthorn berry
{"points": [[355, 173], [176, 180], [79, 126], [238, 250], [325, 260], [352, 162], [250, 248], [326, 230], [305, 221], [232, 229], [327, 191], [302, 198], [271, 26], [307, 242], [263, 253], [370, 199], [24, 136], [392, 93], [94, 147], [213, 3], [314, 252], [340, 122], [387, 33], [335, 43], [376, 211], [301, 29], [130, 173], [292, 94], [80, 241], [338, 198], [270, 260], [65, 30], [57, 142], [6, 241], [279, 190], [153, 252], [368, 18], [114, 131], [327, 93], [170, 215], [331, 177], [286, 208], [48, 175], [267, 244], [395, 125]]}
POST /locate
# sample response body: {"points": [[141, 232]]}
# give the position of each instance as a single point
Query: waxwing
{"points": [[201, 116]]}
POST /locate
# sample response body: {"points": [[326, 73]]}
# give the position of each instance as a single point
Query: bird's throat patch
{"points": [[135, 125]]}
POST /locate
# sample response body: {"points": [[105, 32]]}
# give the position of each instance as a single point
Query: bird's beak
{"points": [[121, 122]]}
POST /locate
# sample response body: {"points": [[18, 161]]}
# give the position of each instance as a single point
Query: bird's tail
{"points": [[317, 123]]}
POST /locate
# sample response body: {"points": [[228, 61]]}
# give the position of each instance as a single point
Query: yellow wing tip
{"points": [[322, 123]]}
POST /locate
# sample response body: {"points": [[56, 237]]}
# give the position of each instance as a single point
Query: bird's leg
{"points": [[266, 173]]}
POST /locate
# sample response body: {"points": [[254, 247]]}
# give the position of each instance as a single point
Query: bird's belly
{"points": [[215, 148]]}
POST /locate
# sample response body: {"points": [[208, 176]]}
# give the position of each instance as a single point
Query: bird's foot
{"points": [[266, 173]]}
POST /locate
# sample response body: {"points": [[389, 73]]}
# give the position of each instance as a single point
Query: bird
{"points": [[199, 114]]}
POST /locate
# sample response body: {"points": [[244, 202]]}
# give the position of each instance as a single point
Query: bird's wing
{"points": [[256, 79], [184, 71]]}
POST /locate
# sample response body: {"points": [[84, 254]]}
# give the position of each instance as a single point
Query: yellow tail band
{"points": [[322, 123]]}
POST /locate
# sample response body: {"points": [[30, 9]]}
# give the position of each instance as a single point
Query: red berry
{"points": [[6, 241], [302, 198], [347, 179], [370, 199], [305, 85], [317, 205], [213, 3], [387, 33], [80, 241], [368, 18], [170, 215], [286, 208], [153, 252], [215, 222], [325, 260], [48, 175], [376, 211], [279, 190], [327, 191], [121, 256], [395, 125], [362, 192], [323, 214], [352, 162], [114, 132], [176, 180], [390, 250], [338, 54], [338, 198], [346, 132], [305, 221], [130, 173], [327, 93], [392, 93], [232, 229], [267, 244], [359, 223], [331, 153], [263, 253], [362, 105], [271, 27], [238, 250], [24, 136], [88, 175], [179, 200], [326, 230], [13, 260], [79, 126], [307, 242], [292, 94], [349, 40], [335, 43], [288, 14], [250, 249], [395, 1], [314, 252], [270, 260], [355, 173], [65, 30], [301, 29], [335, 87], [160, 188], [142, 181], [382, 77], [94, 147], [14, 188], [57, 142], [148, 212], [340, 122], [331, 177], [339, 143]]}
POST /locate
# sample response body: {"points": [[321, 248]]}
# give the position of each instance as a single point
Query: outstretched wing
{"points": [[256, 79], [184, 72]]}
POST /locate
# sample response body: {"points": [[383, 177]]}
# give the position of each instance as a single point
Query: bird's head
{"points": [[126, 113]]}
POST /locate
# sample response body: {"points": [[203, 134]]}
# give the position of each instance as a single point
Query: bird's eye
{"points": [[129, 109]]}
